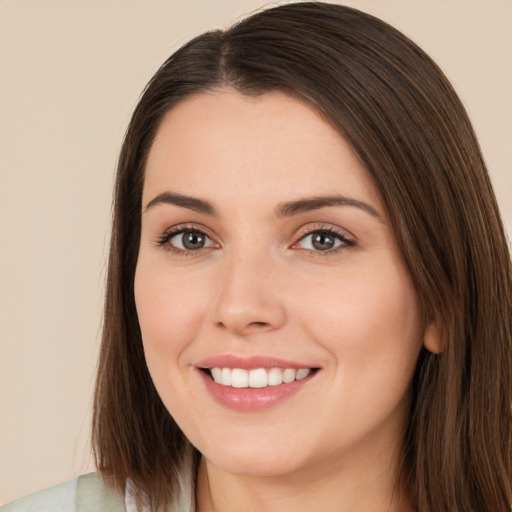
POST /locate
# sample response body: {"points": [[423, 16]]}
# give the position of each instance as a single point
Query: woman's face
{"points": [[267, 256]]}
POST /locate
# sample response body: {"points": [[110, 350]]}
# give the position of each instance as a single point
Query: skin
{"points": [[258, 287]]}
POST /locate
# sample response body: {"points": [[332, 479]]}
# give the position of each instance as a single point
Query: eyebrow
{"points": [[315, 203], [287, 209], [191, 203]]}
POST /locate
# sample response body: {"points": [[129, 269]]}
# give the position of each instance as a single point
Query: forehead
{"points": [[221, 141]]}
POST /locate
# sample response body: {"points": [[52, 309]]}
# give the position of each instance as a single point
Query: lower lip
{"points": [[252, 399]]}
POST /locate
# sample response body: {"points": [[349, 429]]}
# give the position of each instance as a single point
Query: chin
{"points": [[261, 466], [258, 458]]}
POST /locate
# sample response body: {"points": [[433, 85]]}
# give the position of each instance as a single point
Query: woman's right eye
{"points": [[191, 241], [188, 240]]}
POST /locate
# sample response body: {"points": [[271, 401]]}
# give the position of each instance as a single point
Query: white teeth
{"points": [[217, 374], [275, 377], [239, 378], [257, 378], [302, 373], [226, 377], [289, 375]]}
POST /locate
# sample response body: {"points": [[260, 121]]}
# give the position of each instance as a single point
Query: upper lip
{"points": [[250, 362]]}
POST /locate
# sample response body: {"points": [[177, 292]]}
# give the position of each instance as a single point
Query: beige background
{"points": [[70, 74]]}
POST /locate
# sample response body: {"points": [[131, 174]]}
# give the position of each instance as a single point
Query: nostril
{"points": [[258, 326], [244, 328]]}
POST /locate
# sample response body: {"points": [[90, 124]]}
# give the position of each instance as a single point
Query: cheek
{"points": [[169, 311], [368, 320]]}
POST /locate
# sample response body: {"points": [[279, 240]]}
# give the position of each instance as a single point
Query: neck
{"points": [[338, 488]]}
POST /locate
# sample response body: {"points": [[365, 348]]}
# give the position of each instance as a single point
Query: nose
{"points": [[250, 299]]}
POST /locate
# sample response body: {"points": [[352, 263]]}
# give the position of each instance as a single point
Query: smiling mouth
{"points": [[256, 378]]}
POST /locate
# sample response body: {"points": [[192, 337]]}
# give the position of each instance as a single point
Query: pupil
{"points": [[323, 241], [193, 240]]}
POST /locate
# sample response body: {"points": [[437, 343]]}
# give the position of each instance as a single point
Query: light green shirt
{"points": [[90, 493], [86, 493]]}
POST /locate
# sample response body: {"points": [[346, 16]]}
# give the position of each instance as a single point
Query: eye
{"points": [[323, 240], [190, 240], [186, 240]]}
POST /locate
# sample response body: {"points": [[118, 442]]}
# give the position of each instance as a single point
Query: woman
{"points": [[309, 290]]}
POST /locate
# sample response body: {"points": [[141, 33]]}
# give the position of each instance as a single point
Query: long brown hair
{"points": [[403, 119]]}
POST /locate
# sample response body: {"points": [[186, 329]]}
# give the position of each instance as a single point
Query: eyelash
{"points": [[346, 242]]}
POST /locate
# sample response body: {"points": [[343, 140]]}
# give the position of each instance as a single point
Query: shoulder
{"points": [[60, 498], [86, 493]]}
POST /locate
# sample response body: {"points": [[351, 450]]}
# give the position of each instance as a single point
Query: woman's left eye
{"points": [[323, 241]]}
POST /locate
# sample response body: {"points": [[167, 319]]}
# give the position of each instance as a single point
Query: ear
{"points": [[433, 339]]}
